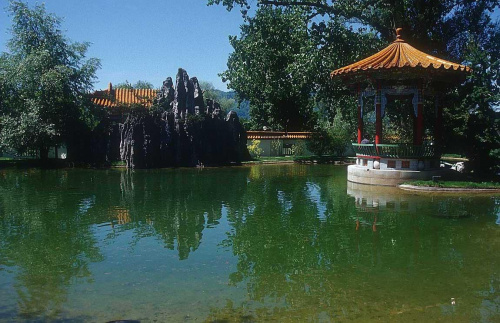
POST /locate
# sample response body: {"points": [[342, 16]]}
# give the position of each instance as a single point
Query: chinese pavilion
{"points": [[398, 71]]}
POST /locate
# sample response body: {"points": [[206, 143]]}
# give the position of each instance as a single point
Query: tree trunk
{"points": [[44, 154]]}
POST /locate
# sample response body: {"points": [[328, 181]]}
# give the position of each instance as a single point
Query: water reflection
{"points": [[179, 206], [383, 198], [252, 243], [46, 246], [385, 253], [49, 221]]}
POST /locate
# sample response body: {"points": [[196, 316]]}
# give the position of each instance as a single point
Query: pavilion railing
{"points": [[396, 150]]}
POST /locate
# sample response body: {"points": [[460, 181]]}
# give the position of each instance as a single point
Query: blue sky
{"points": [[145, 40]]}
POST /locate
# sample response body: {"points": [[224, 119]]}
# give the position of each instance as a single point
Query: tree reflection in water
{"points": [[177, 207], [46, 245], [382, 253], [49, 221]]}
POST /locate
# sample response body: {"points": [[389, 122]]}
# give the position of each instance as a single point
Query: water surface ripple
{"points": [[261, 243]]}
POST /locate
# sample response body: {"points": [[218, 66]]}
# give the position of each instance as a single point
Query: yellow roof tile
{"points": [[397, 55], [116, 97]]}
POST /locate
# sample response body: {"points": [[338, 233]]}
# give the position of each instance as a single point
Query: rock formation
{"points": [[180, 130], [199, 103], [165, 96]]}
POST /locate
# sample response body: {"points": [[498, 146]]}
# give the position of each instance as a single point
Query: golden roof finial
{"points": [[398, 34]]}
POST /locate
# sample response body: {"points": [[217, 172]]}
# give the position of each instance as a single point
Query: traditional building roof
{"points": [[115, 97], [268, 135], [397, 55]]}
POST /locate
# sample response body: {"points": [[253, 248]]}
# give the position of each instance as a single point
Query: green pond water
{"points": [[245, 244]]}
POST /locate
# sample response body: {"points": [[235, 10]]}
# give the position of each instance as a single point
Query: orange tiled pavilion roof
{"points": [[397, 55], [115, 97]]}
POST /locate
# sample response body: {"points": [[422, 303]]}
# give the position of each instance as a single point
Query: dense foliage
{"points": [[479, 98], [137, 85], [281, 65], [331, 137], [269, 67], [317, 37], [44, 81]]}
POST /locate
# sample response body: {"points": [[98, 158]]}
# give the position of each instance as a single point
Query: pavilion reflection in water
{"points": [[383, 205], [371, 198], [376, 203]]}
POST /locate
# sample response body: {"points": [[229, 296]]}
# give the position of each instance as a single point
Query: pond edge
{"points": [[407, 187]]}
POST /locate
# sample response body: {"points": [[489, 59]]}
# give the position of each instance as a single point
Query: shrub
{"points": [[254, 149], [331, 138], [299, 148], [277, 146]]}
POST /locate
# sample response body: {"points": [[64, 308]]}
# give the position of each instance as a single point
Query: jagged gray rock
{"points": [[165, 96], [180, 95], [181, 130], [199, 103], [189, 94]]}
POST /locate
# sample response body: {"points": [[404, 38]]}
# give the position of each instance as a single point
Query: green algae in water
{"points": [[261, 243]]}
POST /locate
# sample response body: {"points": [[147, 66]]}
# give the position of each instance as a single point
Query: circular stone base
{"points": [[390, 177]]}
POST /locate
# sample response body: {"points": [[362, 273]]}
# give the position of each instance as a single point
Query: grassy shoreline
{"points": [[302, 159], [455, 184]]}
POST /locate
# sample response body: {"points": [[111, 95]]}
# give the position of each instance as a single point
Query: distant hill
{"points": [[243, 110], [226, 95]]}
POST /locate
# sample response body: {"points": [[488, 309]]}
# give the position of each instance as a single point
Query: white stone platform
{"points": [[387, 177]]}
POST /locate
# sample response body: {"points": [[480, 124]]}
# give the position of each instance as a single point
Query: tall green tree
{"points": [[460, 31], [143, 85], [281, 64], [138, 85], [480, 102], [269, 67], [44, 81], [123, 85]]}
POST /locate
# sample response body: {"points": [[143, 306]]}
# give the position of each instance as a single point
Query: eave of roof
{"points": [[398, 55], [277, 135], [116, 97]]}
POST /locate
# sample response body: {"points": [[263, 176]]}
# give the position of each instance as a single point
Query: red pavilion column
{"points": [[438, 125], [419, 134], [378, 116], [360, 118]]}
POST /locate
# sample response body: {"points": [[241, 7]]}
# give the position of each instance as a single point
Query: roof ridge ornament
{"points": [[398, 35]]}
